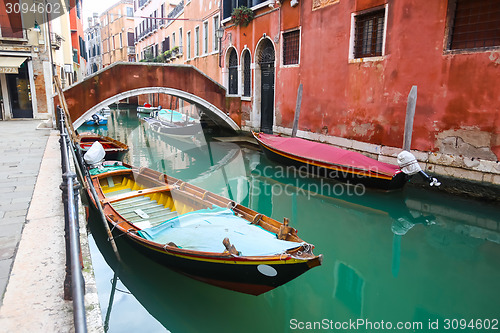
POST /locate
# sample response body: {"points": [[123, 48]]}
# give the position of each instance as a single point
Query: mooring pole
{"points": [[410, 113], [297, 111]]}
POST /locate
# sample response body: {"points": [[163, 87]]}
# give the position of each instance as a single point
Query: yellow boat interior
{"points": [[145, 199]]}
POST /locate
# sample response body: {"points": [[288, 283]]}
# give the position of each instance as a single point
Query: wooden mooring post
{"points": [[297, 111], [410, 114]]}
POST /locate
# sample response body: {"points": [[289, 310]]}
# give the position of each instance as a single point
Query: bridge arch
{"points": [[193, 99], [122, 80]]}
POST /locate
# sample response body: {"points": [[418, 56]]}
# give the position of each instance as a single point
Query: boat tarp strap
{"points": [[204, 230]]}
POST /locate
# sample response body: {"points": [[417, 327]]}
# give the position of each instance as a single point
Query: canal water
{"points": [[410, 260]]}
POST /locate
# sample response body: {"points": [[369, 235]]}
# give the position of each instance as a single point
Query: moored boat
{"points": [[331, 162], [174, 124], [147, 109], [97, 120], [114, 149], [198, 233]]}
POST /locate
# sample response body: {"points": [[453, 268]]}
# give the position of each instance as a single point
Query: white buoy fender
{"points": [[95, 154], [408, 163]]}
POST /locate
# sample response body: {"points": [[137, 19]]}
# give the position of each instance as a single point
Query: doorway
{"points": [[20, 93], [266, 62]]}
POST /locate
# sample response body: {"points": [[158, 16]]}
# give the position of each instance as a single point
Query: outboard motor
{"points": [[95, 155], [95, 118], [408, 164]]}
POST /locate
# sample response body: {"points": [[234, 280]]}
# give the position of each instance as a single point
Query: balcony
{"points": [[130, 50], [56, 40]]}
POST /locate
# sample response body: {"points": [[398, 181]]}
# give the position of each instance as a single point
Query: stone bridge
{"points": [[123, 79]]}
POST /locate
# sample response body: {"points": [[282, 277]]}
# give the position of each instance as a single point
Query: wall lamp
{"points": [[36, 27], [219, 34]]}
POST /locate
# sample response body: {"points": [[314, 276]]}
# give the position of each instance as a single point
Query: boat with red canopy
{"points": [[328, 161]]}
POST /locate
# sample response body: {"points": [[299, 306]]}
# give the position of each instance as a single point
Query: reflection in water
{"points": [[446, 267]]}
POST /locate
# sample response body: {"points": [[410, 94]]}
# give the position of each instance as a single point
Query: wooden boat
{"points": [[176, 130], [114, 149], [198, 233], [147, 109], [96, 120], [328, 161]]}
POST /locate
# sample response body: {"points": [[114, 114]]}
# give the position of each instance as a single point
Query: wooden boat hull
{"points": [[172, 129], [247, 274], [114, 149], [344, 174]]}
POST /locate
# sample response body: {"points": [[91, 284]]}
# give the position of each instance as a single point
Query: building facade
{"points": [[93, 44], [34, 46], [357, 61], [117, 33], [77, 40]]}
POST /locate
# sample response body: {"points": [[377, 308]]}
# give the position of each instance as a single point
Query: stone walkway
{"points": [[32, 246], [21, 151]]}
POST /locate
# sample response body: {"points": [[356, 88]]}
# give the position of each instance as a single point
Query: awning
{"points": [[10, 65]]}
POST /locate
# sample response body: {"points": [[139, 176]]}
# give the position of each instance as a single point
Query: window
{"points": [[233, 73], [173, 39], [121, 40], [247, 74], [474, 24], [197, 41], [78, 9], [291, 43], [216, 26], [130, 11], [188, 41], [229, 5], [205, 37], [130, 39], [180, 40], [369, 34]]}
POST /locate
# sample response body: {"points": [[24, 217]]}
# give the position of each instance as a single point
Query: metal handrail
{"points": [[74, 282]]}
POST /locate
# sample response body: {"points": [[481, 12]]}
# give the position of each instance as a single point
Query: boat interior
{"points": [[159, 210]]}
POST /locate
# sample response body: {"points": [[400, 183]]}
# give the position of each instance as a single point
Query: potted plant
{"points": [[242, 16], [168, 55], [175, 51]]}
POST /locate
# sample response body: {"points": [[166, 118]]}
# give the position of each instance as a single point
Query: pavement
{"points": [[32, 246]]}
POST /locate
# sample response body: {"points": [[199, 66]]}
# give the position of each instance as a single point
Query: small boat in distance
{"points": [[328, 161], [173, 124], [114, 149], [97, 120], [148, 108], [198, 233]]}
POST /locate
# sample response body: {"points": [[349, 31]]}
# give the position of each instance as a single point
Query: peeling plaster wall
{"points": [[366, 100]]}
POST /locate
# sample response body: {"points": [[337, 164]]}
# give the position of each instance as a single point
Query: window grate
{"points": [[246, 74], [369, 34], [476, 24], [291, 42]]}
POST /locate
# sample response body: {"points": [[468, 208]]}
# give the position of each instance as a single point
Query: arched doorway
{"points": [[266, 61]]}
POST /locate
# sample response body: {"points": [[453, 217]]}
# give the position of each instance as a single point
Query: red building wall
{"points": [[366, 100]]}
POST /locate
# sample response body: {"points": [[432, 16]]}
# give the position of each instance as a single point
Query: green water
{"points": [[413, 257]]}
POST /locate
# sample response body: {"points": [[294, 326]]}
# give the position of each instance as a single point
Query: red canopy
{"points": [[325, 153]]}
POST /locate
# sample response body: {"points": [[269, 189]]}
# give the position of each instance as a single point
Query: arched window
{"points": [[233, 73], [247, 76]]}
